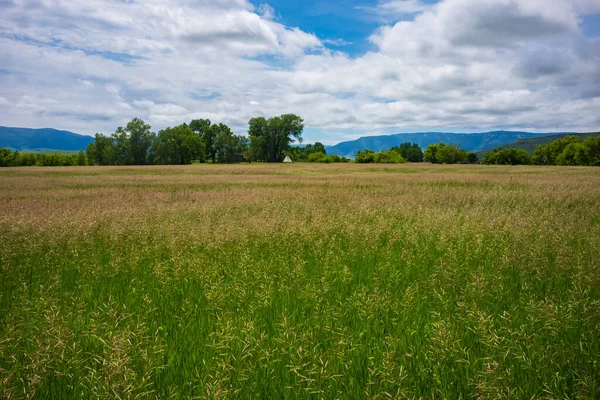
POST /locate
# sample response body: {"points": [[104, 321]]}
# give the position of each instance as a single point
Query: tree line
{"points": [[439, 153], [569, 150], [136, 144], [268, 140], [9, 158], [271, 140]]}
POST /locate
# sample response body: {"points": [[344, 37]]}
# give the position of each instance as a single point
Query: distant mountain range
{"points": [[467, 141], [24, 139]]}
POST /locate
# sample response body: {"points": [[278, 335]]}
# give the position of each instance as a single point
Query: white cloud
{"points": [[113, 89], [460, 64], [586, 6], [266, 11], [397, 7], [337, 42]]}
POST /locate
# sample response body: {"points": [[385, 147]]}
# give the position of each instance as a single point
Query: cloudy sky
{"points": [[349, 68]]}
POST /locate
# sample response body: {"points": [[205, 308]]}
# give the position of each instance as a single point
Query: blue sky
{"points": [[350, 69], [348, 20]]}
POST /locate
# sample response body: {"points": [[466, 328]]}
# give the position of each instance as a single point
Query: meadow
{"points": [[300, 281]]}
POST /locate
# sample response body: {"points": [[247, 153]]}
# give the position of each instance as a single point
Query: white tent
{"points": [[287, 159]]}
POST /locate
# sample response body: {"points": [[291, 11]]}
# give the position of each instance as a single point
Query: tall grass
{"points": [[300, 281]]}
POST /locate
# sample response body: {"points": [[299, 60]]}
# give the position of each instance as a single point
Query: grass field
{"points": [[300, 281]]}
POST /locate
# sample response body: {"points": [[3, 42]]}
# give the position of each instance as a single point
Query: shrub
{"points": [[389, 157], [365, 157], [442, 153], [507, 157], [316, 157]]}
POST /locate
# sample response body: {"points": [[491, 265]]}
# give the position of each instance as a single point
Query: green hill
{"points": [[42, 140], [529, 144]]}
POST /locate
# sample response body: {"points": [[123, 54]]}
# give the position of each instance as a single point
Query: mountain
{"points": [[531, 143], [467, 141], [24, 139]]}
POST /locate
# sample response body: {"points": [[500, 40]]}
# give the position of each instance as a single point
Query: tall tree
{"points": [[207, 132], [178, 145], [139, 140], [548, 154], [81, 159], [102, 152], [91, 154], [274, 135], [411, 152], [507, 157], [431, 153], [259, 138], [589, 152], [442, 153], [121, 153], [229, 147]]}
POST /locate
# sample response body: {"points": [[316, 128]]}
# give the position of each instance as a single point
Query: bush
{"points": [[442, 153], [548, 154], [507, 157], [316, 157], [589, 152], [365, 157], [383, 157], [568, 155], [389, 157], [411, 152], [6, 158], [472, 158]]}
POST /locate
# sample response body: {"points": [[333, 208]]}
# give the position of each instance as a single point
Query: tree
{"points": [[139, 140], [303, 153], [81, 159], [103, 151], [411, 152], [6, 158], [442, 153], [91, 154], [129, 145], [178, 146], [257, 148], [589, 152], [28, 159], [365, 157], [389, 157], [318, 147], [204, 129], [569, 154], [450, 154], [120, 152], [430, 154], [270, 138], [507, 157], [316, 156], [548, 154], [229, 148], [472, 158]]}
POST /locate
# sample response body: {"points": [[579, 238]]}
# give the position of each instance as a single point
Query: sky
{"points": [[349, 68]]}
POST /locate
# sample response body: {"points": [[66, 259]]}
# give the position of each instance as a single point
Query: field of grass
{"points": [[300, 281]]}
